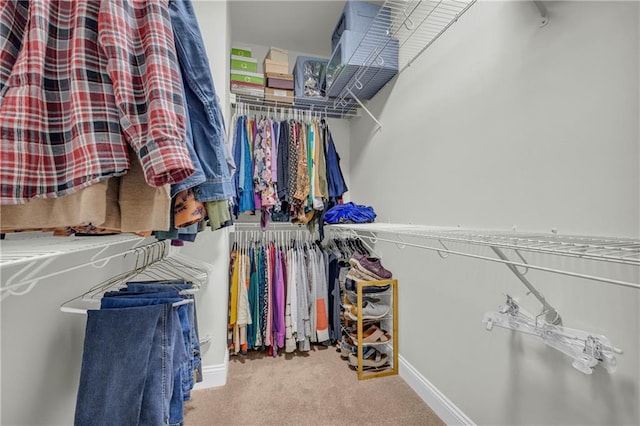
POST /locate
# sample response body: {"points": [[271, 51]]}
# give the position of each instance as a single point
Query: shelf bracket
{"points": [[365, 109], [544, 15], [551, 314]]}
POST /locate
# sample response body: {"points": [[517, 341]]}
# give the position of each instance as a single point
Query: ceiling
{"points": [[298, 25]]}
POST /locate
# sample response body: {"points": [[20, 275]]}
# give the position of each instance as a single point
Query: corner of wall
{"points": [[436, 400], [214, 376]]}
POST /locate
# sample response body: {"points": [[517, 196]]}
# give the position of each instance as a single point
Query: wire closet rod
{"points": [[617, 250], [508, 262], [273, 226], [43, 248]]}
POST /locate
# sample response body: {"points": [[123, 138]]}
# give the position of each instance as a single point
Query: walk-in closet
{"points": [[402, 212]]}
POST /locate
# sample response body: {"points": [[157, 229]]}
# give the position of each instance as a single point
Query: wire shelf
{"points": [[609, 249], [26, 259], [624, 251], [416, 25], [19, 249], [324, 107]]}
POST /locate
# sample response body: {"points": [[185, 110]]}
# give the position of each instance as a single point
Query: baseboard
{"points": [[214, 375], [440, 404]]}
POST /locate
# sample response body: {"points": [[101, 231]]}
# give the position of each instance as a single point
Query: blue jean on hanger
{"points": [[128, 298], [128, 363], [189, 326]]}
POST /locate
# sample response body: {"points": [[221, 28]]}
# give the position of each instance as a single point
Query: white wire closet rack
{"points": [[587, 349], [273, 226], [26, 259], [323, 107], [624, 251], [415, 24]]}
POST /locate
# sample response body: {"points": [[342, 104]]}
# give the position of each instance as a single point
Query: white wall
{"points": [[213, 18], [504, 123], [213, 247], [42, 349]]}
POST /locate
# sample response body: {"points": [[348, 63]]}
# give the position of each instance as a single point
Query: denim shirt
{"points": [[207, 124], [198, 176]]}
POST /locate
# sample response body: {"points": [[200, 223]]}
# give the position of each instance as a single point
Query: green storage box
{"points": [[244, 64], [241, 51], [247, 77]]}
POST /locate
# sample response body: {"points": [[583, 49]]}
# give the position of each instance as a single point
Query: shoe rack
{"points": [[388, 322]]}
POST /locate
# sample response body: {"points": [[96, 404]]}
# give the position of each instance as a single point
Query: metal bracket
{"points": [[551, 314], [544, 15], [365, 108]]}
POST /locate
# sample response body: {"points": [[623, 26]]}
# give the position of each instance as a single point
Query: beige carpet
{"points": [[316, 389]]}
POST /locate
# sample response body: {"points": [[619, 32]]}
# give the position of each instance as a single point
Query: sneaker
{"points": [[350, 285], [370, 265], [358, 275], [370, 310], [351, 298]]}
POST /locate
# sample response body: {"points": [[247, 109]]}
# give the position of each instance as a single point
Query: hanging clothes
{"points": [[149, 130], [288, 170], [245, 188], [159, 319], [285, 304], [90, 129], [291, 310], [335, 179], [279, 299], [244, 313], [253, 331]]}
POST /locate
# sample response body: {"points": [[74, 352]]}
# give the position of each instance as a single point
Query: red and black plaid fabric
{"points": [[78, 81]]}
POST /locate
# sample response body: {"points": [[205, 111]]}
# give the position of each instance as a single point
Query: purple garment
{"points": [[255, 130], [274, 299], [279, 323]]}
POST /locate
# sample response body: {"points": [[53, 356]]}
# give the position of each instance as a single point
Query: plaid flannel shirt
{"points": [[78, 81]]}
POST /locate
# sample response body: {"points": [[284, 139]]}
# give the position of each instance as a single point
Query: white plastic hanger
{"points": [[587, 349]]}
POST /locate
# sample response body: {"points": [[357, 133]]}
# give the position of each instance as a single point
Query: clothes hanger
{"points": [[145, 257], [176, 265], [586, 348]]}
